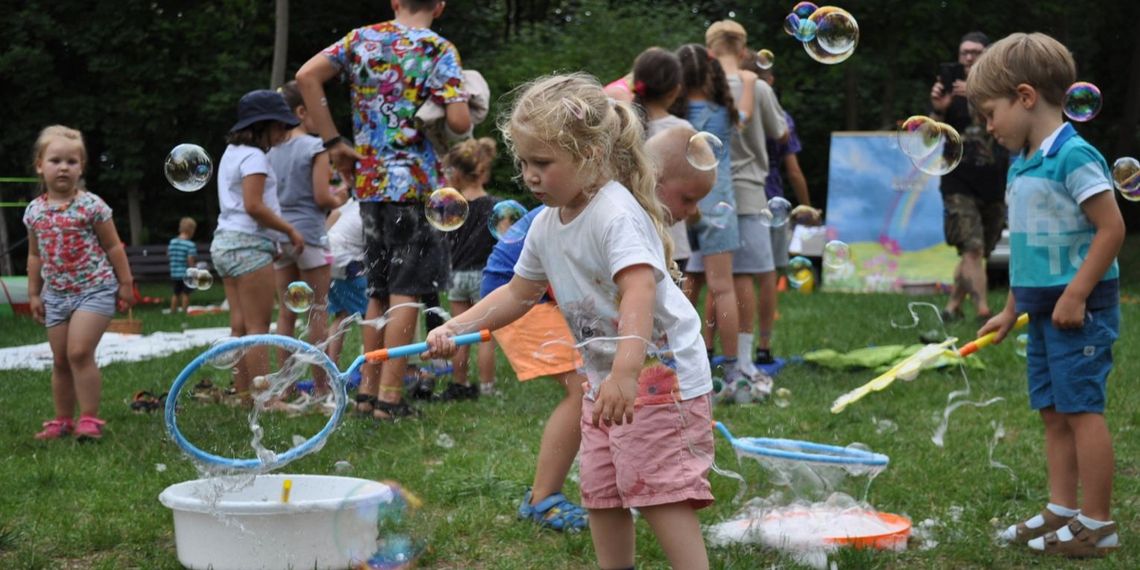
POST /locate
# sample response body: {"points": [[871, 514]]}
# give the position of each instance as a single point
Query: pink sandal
{"points": [[56, 429], [89, 427]]}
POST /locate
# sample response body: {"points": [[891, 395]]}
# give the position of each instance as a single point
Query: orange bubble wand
{"points": [[988, 339]]}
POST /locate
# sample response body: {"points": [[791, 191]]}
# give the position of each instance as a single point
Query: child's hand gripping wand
{"points": [[988, 339]]}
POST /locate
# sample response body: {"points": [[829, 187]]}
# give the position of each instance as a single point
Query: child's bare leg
{"points": [[486, 362], [185, 301], [286, 319], [372, 337], [319, 278], [709, 323], [718, 274], [83, 334], [336, 343], [400, 330], [1061, 457], [613, 536], [767, 308], [255, 291], [560, 440], [462, 359], [62, 381], [1095, 459], [679, 533], [237, 328]]}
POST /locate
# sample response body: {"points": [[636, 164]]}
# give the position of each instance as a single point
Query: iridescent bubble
{"points": [[704, 151], [375, 525], [765, 59], [919, 136], [836, 254], [446, 209], [720, 215], [190, 280], [947, 157], [1082, 101], [298, 297], [1126, 178], [804, 9], [205, 280], [188, 167], [782, 397], [503, 216], [777, 213], [802, 29], [799, 271], [836, 31], [225, 359], [1021, 345]]}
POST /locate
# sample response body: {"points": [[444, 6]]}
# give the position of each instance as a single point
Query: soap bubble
{"points": [[205, 280], [374, 525], [836, 254], [804, 9], [947, 158], [802, 29], [190, 279], [446, 209], [782, 397], [1021, 345], [799, 271], [720, 215], [704, 151], [836, 31], [188, 167], [503, 216], [919, 136], [298, 297], [777, 213], [765, 59], [1082, 101], [226, 359], [1126, 177]]}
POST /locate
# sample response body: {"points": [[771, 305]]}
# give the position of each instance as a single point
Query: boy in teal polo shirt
{"points": [[1065, 232]]}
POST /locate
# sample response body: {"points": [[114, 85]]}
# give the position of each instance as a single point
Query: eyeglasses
{"points": [[969, 52]]}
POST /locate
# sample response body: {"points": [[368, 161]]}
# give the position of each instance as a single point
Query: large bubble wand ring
{"points": [[312, 355]]}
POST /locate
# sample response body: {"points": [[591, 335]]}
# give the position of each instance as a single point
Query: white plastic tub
{"points": [[329, 523]]}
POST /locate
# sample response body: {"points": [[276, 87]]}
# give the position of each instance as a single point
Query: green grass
{"points": [[67, 505]]}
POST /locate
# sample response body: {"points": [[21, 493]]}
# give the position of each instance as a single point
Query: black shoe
{"points": [[764, 356], [455, 392], [422, 389], [951, 316]]}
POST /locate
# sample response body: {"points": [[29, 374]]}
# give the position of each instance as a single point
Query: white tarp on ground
{"points": [[115, 347]]}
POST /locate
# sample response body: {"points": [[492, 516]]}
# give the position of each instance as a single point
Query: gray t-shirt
{"points": [[292, 161], [749, 150]]}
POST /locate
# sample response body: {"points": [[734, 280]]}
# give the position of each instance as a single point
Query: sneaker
{"points": [[55, 429], [555, 512], [423, 388], [455, 392], [764, 357], [89, 427]]}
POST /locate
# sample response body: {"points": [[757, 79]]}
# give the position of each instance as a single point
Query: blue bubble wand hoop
{"points": [[312, 355]]}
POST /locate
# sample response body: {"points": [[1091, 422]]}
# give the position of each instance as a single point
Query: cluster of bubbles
{"points": [[1082, 101], [829, 34], [503, 216], [446, 209], [391, 516], [765, 59], [198, 278], [777, 212], [188, 167], [1126, 178], [704, 150], [933, 147], [298, 297]]}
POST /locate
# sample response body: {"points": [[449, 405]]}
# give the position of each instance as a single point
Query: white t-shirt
{"points": [[681, 248], [346, 238], [238, 162], [580, 260]]}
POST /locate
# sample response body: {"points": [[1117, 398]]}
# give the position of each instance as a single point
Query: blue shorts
{"points": [[1068, 369], [58, 305], [347, 296]]}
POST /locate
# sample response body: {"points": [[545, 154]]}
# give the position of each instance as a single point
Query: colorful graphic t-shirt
{"points": [[73, 260], [392, 70]]}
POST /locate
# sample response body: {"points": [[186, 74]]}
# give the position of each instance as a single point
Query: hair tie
{"points": [[639, 88]]}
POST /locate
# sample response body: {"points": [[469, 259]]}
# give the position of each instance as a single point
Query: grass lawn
{"points": [[66, 505]]}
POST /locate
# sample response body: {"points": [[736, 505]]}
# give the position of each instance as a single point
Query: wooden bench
{"points": [[150, 263]]}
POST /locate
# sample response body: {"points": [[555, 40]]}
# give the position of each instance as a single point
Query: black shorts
{"points": [[179, 286], [971, 224], [403, 254]]}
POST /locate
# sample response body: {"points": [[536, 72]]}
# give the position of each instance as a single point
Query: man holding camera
{"points": [[973, 194]]}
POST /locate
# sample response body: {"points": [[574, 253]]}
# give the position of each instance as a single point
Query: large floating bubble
{"points": [[1126, 178], [836, 254], [720, 215], [799, 271], [188, 167], [802, 29], [836, 31], [933, 147], [765, 59], [1082, 101], [503, 216], [298, 297], [190, 279], [804, 9], [205, 280], [446, 209], [704, 151], [777, 213]]}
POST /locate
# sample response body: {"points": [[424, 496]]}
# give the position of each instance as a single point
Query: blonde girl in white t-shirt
{"points": [[603, 247]]}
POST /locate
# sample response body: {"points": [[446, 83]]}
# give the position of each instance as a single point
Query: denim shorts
{"points": [[237, 253], [59, 305], [755, 253], [465, 286], [1068, 369], [347, 296]]}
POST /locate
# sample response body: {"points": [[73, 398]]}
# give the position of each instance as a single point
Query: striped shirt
{"points": [[178, 250]]}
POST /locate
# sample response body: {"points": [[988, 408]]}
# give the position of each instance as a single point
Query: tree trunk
{"points": [[851, 98], [134, 214], [280, 44]]}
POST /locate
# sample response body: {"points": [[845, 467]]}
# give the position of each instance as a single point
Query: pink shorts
{"points": [[663, 457]]}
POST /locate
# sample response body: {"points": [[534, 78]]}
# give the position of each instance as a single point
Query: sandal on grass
{"points": [[365, 404], [1082, 545], [393, 411], [1024, 533], [145, 402], [555, 512]]}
